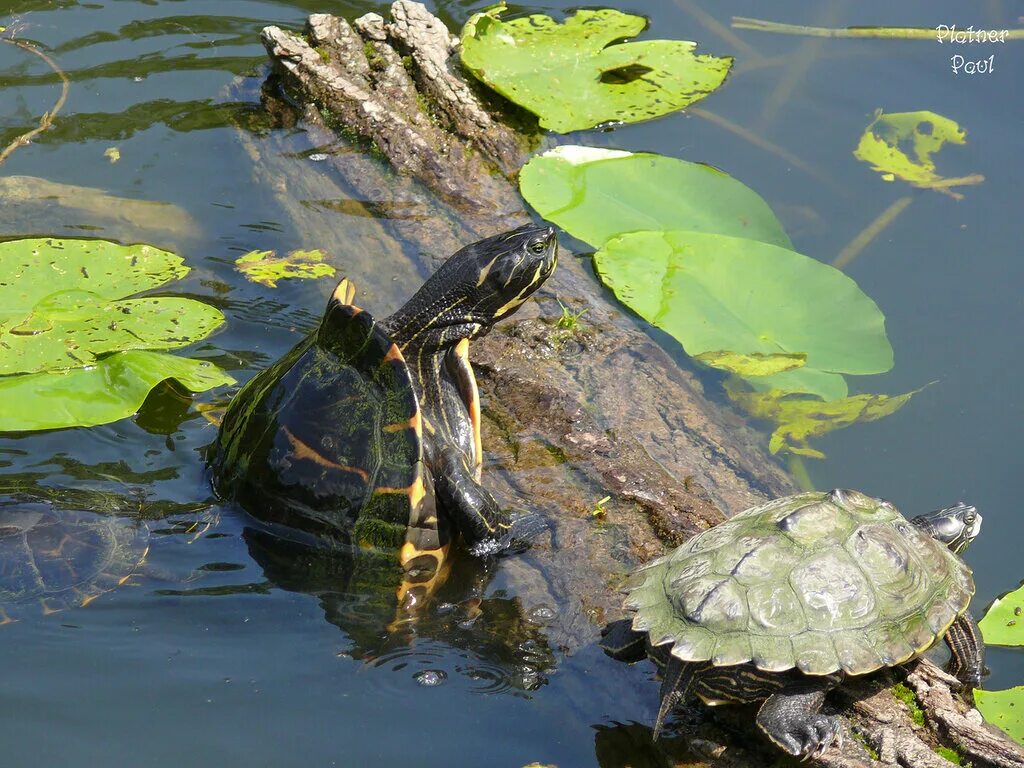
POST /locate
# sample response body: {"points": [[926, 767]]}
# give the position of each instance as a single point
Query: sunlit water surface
{"points": [[220, 654]]}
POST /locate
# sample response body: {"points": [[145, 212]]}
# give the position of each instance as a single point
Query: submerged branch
{"points": [[887, 33], [870, 232], [47, 119]]}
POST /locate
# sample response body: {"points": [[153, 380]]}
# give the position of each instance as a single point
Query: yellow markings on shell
{"points": [[345, 293], [473, 405], [415, 424], [417, 492], [302, 451], [394, 354]]}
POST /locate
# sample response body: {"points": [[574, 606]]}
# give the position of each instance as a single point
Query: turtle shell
{"points": [[63, 558], [818, 581], [329, 438]]}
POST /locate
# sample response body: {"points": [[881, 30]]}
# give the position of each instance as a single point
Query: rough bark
{"points": [[571, 415]]}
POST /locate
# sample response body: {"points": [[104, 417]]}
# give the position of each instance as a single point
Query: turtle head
{"points": [[478, 286], [954, 526]]}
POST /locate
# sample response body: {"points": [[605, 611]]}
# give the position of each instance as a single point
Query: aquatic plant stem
{"points": [[763, 143], [714, 26], [47, 119], [870, 232], [888, 33], [798, 469]]}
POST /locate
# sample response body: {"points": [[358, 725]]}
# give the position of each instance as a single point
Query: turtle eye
{"points": [[537, 247]]}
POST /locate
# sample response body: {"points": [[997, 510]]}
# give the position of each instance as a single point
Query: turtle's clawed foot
{"points": [[812, 737], [516, 538]]}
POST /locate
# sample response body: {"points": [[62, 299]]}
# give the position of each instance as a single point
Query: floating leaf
{"points": [[579, 74], [265, 268], [113, 154], [1004, 709], [713, 292], [71, 329], [33, 269], [798, 419], [1004, 622], [112, 389], [901, 145], [754, 364], [808, 381], [595, 194]]}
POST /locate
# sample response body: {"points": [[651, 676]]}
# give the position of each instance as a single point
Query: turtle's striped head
{"points": [[478, 286], [955, 526]]}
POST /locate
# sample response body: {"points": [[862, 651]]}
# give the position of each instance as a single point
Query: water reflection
{"points": [[498, 647]]}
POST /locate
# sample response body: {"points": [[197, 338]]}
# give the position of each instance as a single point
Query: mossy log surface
{"points": [[396, 160]]}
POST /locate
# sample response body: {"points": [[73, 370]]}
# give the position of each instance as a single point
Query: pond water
{"points": [[225, 651]]}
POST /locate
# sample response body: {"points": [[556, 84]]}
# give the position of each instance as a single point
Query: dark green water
{"points": [[211, 659]]}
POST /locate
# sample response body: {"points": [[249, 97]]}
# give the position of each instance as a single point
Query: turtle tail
{"points": [[677, 679]]}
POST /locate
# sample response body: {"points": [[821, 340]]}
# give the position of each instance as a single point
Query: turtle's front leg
{"points": [[792, 718], [472, 509], [967, 659]]}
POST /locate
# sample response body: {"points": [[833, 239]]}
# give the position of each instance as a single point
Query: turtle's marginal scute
{"points": [[820, 582]]}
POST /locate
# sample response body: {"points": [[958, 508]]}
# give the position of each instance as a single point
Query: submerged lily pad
{"points": [[1004, 709], [112, 389], [579, 74], [753, 364], [266, 268], [595, 194], [1004, 622], [797, 419], [714, 292], [901, 145], [808, 381]]}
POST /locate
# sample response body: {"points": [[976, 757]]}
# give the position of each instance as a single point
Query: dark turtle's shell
{"points": [[64, 558], [820, 582], [329, 438]]}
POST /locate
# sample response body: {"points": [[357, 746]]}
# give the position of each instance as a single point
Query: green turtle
{"points": [[369, 431], [783, 601], [60, 557]]}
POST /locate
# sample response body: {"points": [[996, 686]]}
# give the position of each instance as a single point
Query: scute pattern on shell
{"points": [[818, 581]]}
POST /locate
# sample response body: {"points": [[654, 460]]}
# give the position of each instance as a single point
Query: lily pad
{"points": [[71, 329], [35, 268], [713, 292], [808, 381], [112, 389], [1004, 709], [754, 364], [798, 419], [580, 74], [1004, 622], [595, 194], [266, 268], [901, 145]]}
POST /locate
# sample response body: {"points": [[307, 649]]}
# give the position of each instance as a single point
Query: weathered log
{"points": [[571, 414]]}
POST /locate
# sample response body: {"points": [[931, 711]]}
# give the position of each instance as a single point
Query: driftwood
{"points": [[418, 160]]}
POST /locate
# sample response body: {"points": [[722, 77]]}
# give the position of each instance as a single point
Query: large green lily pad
{"points": [[579, 74], [1004, 622], [1004, 709], [714, 292], [112, 389], [595, 194]]}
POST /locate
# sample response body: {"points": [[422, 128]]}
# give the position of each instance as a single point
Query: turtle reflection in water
{"points": [[58, 558], [784, 600], [369, 432]]}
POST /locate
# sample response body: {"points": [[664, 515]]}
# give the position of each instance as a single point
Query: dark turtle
{"points": [[61, 558], [784, 600], [359, 429]]}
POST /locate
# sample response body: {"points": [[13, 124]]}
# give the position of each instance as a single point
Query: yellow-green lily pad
{"points": [[1004, 622], [1004, 709], [900, 145], [754, 363], [266, 267]]}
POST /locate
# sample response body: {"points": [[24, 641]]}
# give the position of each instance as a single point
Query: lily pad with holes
{"points": [[714, 292], [595, 194], [901, 144], [1004, 621], [580, 74], [799, 418], [1004, 709], [266, 267], [112, 389]]}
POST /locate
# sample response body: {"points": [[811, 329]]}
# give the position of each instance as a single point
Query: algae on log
{"points": [[420, 162]]}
